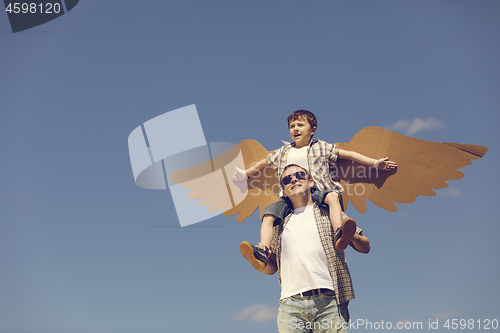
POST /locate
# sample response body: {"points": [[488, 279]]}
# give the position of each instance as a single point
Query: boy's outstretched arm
{"points": [[381, 164], [241, 174]]}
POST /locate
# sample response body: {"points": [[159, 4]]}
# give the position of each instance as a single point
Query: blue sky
{"points": [[84, 249]]}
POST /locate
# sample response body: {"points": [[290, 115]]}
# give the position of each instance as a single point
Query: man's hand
{"points": [[239, 175], [385, 164]]}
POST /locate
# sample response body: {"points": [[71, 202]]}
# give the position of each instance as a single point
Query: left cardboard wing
{"points": [[211, 182]]}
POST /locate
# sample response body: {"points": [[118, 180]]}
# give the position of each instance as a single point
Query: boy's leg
{"points": [[333, 202], [258, 255], [348, 230], [340, 220]]}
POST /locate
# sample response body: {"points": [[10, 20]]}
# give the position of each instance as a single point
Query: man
{"points": [[315, 281]]}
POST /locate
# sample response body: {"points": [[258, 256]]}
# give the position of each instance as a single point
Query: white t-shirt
{"points": [[298, 156], [303, 259]]}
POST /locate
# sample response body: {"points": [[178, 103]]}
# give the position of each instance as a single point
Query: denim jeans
{"points": [[312, 314], [281, 208]]}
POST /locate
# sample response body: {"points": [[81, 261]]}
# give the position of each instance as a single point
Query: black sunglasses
{"points": [[300, 175]]}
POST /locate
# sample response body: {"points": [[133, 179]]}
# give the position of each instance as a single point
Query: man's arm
{"points": [[360, 243], [271, 268], [381, 164]]}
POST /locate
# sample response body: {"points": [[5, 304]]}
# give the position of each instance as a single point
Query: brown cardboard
{"points": [[422, 167], [212, 183]]}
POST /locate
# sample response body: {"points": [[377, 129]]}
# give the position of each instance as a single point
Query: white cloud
{"points": [[400, 124], [445, 314], [454, 192], [257, 312], [416, 125]]}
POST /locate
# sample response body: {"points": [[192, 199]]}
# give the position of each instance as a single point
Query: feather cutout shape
{"points": [[423, 166]]}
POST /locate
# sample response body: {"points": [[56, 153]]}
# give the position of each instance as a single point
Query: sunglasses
{"points": [[300, 175]]}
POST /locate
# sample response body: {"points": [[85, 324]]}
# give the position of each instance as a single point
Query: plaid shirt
{"points": [[321, 159], [337, 265]]}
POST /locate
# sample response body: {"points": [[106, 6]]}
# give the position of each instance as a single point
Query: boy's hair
{"points": [[303, 115]]}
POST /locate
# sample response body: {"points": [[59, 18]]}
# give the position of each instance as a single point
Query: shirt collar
{"points": [[286, 143]]}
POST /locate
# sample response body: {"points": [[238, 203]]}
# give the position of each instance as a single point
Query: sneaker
{"points": [[257, 256], [348, 230]]}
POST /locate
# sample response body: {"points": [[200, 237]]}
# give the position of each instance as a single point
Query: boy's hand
{"points": [[239, 175], [385, 164]]}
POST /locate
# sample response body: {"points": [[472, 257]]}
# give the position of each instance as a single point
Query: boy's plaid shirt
{"points": [[322, 160], [337, 264]]}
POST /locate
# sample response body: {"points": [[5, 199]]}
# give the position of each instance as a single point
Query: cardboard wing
{"points": [[422, 167], [260, 190]]}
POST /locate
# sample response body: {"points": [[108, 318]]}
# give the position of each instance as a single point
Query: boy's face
{"points": [[301, 132]]}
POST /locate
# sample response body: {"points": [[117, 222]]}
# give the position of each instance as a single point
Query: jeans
{"points": [[312, 314], [283, 207]]}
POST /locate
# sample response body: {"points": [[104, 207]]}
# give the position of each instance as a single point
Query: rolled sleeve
{"points": [[333, 152], [273, 159]]}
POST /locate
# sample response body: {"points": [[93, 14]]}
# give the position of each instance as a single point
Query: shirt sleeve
{"points": [[273, 158], [333, 152]]}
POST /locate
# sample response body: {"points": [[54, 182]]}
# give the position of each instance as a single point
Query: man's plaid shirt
{"points": [[337, 264], [322, 160]]}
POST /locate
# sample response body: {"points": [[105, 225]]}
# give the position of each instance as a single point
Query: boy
{"points": [[318, 157]]}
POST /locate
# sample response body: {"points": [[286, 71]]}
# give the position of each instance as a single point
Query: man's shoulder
{"points": [[322, 210]]}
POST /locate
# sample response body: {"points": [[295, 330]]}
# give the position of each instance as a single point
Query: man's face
{"points": [[301, 131], [295, 181]]}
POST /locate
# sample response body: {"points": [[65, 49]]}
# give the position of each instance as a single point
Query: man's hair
{"points": [[303, 115], [294, 165]]}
